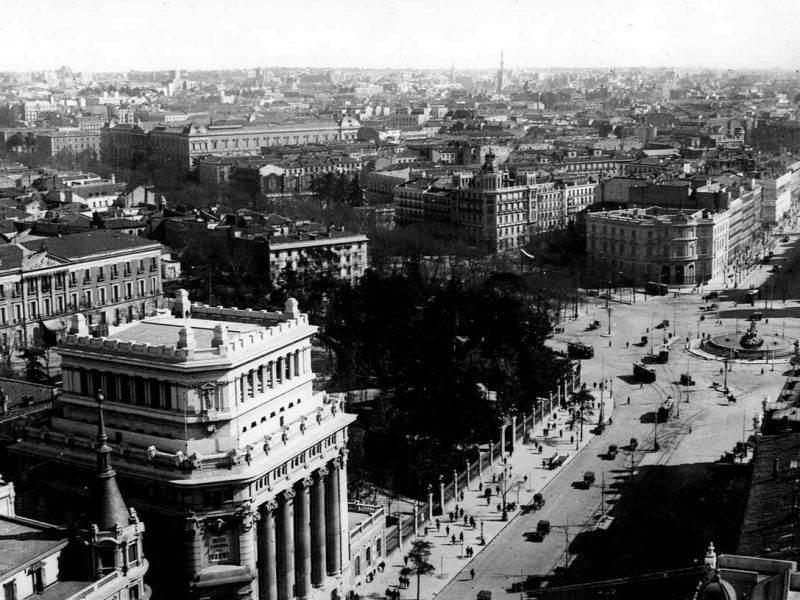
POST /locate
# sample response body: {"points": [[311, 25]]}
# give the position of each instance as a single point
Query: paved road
{"points": [[704, 428]]}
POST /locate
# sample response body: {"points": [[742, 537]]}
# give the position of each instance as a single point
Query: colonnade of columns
{"points": [[299, 536]]}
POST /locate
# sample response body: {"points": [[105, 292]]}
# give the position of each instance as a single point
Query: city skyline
{"points": [[154, 35]]}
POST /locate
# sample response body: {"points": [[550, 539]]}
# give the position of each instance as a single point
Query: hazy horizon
{"points": [[120, 36]]}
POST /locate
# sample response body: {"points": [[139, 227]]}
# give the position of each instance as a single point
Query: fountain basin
{"points": [[729, 345]]}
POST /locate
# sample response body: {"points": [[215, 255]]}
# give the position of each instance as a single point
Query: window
{"points": [[141, 287], [10, 590], [102, 295], [101, 274], [133, 554], [114, 272], [37, 577]]}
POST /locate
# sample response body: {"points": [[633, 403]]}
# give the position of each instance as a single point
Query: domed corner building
{"points": [[715, 588]]}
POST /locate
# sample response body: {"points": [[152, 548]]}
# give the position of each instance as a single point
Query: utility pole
{"points": [[602, 494], [655, 432], [566, 552]]}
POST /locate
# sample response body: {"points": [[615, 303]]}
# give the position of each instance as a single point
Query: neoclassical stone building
{"points": [[218, 438]]}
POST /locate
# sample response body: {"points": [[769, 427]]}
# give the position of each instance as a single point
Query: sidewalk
{"points": [[526, 477]]}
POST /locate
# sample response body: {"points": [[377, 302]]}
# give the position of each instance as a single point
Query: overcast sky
{"points": [[101, 35]]}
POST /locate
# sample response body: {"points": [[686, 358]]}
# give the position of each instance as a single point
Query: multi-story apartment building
{"points": [[779, 191], [275, 177], [182, 145], [490, 206], [74, 142], [342, 251], [108, 277], [672, 246], [34, 109], [220, 441]]}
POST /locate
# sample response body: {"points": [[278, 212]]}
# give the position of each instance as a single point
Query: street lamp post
{"points": [[504, 516]]}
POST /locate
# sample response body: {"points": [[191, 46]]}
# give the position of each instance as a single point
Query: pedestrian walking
{"points": [[447, 530], [480, 486], [498, 507], [438, 525], [462, 512], [472, 573], [641, 386], [572, 439], [461, 537], [405, 559], [450, 514], [560, 433], [462, 496], [627, 344], [466, 521], [494, 477], [453, 539], [629, 399], [488, 500]]}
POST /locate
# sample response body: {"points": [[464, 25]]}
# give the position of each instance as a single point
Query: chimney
{"points": [[79, 326], [186, 338], [220, 336], [292, 309], [183, 306]]}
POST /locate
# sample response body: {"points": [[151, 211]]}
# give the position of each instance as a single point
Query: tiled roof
{"points": [[22, 542], [91, 243], [164, 331], [770, 518]]}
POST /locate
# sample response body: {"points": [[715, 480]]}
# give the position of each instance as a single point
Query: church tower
{"points": [[113, 539]]}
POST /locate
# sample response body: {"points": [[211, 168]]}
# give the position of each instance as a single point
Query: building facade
{"points": [[491, 207], [671, 246], [181, 146], [239, 466], [108, 277], [343, 252], [49, 145]]}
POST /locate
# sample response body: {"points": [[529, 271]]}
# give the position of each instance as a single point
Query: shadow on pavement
{"points": [[662, 521]]}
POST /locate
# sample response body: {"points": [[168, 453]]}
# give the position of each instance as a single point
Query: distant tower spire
{"points": [[501, 74]]}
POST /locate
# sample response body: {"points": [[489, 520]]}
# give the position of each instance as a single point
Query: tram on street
{"points": [[665, 410], [644, 373], [656, 289], [578, 350]]}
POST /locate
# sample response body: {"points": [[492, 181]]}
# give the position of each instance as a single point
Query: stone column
{"points": [[272, 373], [302, 533], [318, 571], [286, 547], [267, 572], [332, 520], [247, 543]]}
